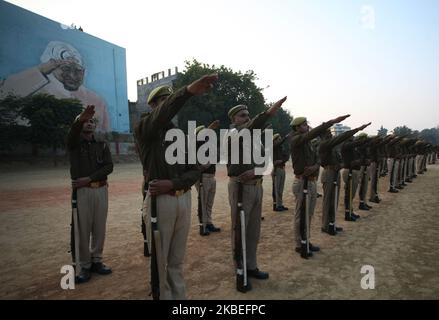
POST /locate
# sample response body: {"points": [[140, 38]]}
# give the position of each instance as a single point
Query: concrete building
{"points": [[339, 128], [144, 87]]}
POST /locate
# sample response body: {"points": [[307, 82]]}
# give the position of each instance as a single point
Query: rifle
{"points": [[201, 219], [143, 225], [157, 263], [364, 176], [350, 192], [333, 210], [74, 234], [273, 189], [242, 283], [377, 176], [304, 223]]}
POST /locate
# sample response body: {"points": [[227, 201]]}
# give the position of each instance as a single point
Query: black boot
{"points": [[303, 252], [100, 268], [257, 274], [211, 228], [84, 276], [240, 284], [332, 229], [363, 206], [204, 231], [356, 216], [348, 217]]}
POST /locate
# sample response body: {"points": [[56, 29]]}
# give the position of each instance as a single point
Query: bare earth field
{"points": [[399, 237]]}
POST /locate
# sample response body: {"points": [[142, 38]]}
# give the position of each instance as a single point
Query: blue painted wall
{"points": [[24, 36]]}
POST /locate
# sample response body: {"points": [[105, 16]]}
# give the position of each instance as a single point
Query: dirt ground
{"points": [[399, 237]]}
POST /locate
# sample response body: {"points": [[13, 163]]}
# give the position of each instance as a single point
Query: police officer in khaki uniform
{"points": [[244, 174], [393, 152], [351, 173], [330, 160], [90, 164], [306, 164], [278, 173], [208, 189], [169, 184], [378, 157], [364, 175]]}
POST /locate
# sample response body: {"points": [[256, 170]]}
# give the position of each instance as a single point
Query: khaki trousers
{"points": [[92, 220], [311, 204], [364, 177], [349, 197], [279, 183], [173, 220], [207, 195], [374, 179], [393, 174], [252, 206], [330, 202]]}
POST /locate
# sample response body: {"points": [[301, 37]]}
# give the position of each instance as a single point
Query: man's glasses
{"points": [[72, 68]]}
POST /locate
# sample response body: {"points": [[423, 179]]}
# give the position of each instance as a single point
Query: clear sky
{"points": [[377, 60]]}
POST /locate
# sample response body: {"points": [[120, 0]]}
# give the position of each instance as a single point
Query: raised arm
{"points": [[76, 128], [163, 114], [258, 122]]}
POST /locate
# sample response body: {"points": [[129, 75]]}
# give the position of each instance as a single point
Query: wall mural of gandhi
{"points": [[61, 73]]}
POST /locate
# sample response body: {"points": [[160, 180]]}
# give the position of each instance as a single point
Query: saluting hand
{"points": [[87, 113], [203, 84], [340, 119], [272, 110], [47, 67], [365, 125]]}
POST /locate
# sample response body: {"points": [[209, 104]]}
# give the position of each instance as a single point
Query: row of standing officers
{"points": [[167, 196]]}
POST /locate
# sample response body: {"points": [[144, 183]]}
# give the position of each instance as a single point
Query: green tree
{"points": [[430, 135], [232, 88], [11, 132], [382, 131], [49, 120], [403, 130]]}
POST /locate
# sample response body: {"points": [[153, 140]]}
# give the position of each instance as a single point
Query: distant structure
{"points": [[339, 128], [144, 87]]}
